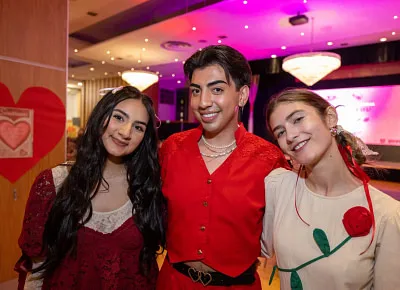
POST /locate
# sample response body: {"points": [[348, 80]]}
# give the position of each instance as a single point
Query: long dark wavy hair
{"points": [[72, 207]]}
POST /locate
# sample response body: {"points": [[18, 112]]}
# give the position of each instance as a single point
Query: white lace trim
{"points": [[59, 174], [107, 222], [103, 222], [32, 281]]}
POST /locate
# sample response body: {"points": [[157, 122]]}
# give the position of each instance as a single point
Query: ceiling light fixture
{"points": [[219, 41], [329, 43], [103, 62], [311, 67], [112, 58], [246, 27], [92, 69], [146, 40], [75, 50], [283, 47], [140, 79], [176, 59], [273, 55], [302, 33], [244, 2], [173, 75], [73, 76], [108, 52], [383, 39], [395, 17], [194, 28]]}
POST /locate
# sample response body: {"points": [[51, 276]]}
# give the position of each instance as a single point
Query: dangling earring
{"points": [[333, 131]]}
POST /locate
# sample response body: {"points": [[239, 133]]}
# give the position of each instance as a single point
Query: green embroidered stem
{"points": [[309, 262], [340, 245]]}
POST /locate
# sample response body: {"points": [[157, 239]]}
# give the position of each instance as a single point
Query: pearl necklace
{"points": [[219, 154], [217, 147]]}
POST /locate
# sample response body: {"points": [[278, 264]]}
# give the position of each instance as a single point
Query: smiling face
{"points": [[301, 132], [214, 98], [126, 128]]}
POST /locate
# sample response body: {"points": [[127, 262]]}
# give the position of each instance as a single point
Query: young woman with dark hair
{"points": [[329, 228], [99, 223]]}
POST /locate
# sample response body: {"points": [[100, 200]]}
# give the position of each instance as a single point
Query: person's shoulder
{"points": [[384, 205], [177, 140], [261, 148], [280, 174]]}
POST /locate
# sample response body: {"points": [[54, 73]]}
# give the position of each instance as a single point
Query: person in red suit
{"points": [[213, 181], [98, 223]]}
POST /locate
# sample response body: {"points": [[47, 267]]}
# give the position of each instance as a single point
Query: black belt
{"points": [[216, 278]]}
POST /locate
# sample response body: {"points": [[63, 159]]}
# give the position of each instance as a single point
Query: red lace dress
{"points": [[108, 246]]}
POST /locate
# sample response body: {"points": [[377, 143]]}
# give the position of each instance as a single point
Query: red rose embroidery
{"points": [[357, 221]]}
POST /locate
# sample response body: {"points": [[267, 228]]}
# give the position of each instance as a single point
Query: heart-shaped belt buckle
{"points": [[194, 274], [205, 279]]}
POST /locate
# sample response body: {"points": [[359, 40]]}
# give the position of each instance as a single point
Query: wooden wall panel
{"points": [[365, 70], [34, 30], [33, 52]]}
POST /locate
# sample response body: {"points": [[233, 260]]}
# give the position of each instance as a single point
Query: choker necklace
{"points": [[217, 147], [219, 154]]}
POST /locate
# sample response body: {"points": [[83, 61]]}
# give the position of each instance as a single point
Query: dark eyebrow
{"points": [[209, 84], [287, 119], [127, 116]]}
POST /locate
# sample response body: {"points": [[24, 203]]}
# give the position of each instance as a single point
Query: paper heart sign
{"points": [[13, 135], [48, 128]]}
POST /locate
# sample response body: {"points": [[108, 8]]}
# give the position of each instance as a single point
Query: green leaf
{"points": [[295, 281], [322, 241]]}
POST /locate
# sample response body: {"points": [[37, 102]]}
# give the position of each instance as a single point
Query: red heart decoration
{"points": [[48, 122], [14, 135]]}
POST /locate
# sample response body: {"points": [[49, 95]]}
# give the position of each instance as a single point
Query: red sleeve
{"points": [[39, 203], [282, 162]]}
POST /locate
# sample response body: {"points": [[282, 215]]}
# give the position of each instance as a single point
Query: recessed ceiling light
{"points": [[244, 2], [283, 47], [193, 28], [72, 76], [108, 52], [147, 67], [157, 72], [302, 33], [132, 69], [160, 76], [219, 41], [393, 33], [383, 39], [80, 84], [143, 49], [146, 40], [273, 55], [75, 50], [139, 61], [173, 75], [176, 59], [103, 62], [246, 27], [106, 73], [92, 69], [395, 17], [200, 49], [304, 1], [183, 62], [178, 81], [112, 58], [329, 43]]}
